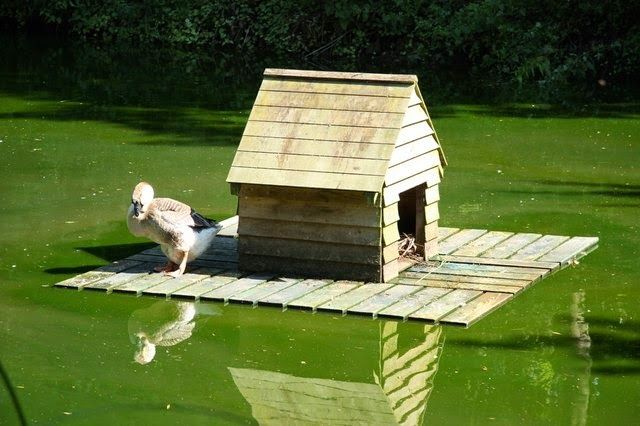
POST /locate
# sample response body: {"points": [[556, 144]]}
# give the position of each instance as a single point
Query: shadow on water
{"points": [[110, 253], [613, 190]]}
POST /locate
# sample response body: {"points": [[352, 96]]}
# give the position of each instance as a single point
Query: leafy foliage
{"points": [[550, 45]]}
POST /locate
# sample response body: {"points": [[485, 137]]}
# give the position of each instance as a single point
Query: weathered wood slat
{"points": [[511, 245], [226, 291], [304, 211], [413, 132], [206, 285], [455, 241], [167, 288], [101, 273], [574, 248], [392, 193], [409, 79], [317, 197], [474, 267], [323, 295], [312, 250], [412, 167], [432, 194], [314, 163], [413, 302], [431, 213], [482, 244], [390, 234], [413, 149], [332, 102], [477, 272], [390, 252], [139, 284], [341, 88], [129, 274], [390, 214], [415, 114], [345, 301], [289, 294], [425, 279], [379, 301], [434, 282], [477, 308], [229, 227], [504, 262], [307, 231], [539, 247], [445, 305], [372, 151], [415, 98], [255, 294], [444, 232], [305, 179]]}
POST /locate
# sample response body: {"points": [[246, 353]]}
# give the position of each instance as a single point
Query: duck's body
{"points": [[183, 234]]}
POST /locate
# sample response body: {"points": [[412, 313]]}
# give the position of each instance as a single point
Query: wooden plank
{"points": [[296, 211], [253, 295], [413, 149], [574, 248], [170, 286], [206, 285], [332, 87], [375, 151], [415, 98], [311, 268], [551, 266], [343, 103], [444, 232], [345, 301], [307, 231], [392, 193], [413, 132], [423, 278], [522, 276], [323, 295], [477, 308], [333, 75], [431, 230], [412, 167], [138, 285], [390, 252], [390, 214], [390, 234], [433, 282], [297, 249], [431, 213], [471, 268], [237, 286], [453, 242], [305, 179], [101, 273], [432, 194], [511, 245], [539, 247], [414, 114], [411, 303], [448, 303], [331, 162], [314, 195], [482, 244], [390, 270], [229, 227], [289, 294], [382, 300], [129, 274]]}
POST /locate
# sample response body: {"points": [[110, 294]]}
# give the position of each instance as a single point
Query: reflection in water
{"points": [[165, 323], [402, 388], [580, 332]]}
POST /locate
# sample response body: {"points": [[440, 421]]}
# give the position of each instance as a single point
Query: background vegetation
{"points": [[541, 48]]}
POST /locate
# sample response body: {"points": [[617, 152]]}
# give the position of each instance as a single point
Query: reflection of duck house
{"points": [[332, 169]]}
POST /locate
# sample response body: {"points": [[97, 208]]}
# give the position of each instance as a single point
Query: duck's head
{"points": [[141, 198], [146, 350]]}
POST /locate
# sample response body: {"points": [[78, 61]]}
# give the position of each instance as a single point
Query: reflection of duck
{"points": [[165, 323], [183, 234]]}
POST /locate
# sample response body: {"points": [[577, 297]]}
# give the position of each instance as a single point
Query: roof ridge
{"points": [[335, 75]]}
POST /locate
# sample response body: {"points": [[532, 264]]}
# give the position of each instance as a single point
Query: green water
{"points": [[78, 131]]}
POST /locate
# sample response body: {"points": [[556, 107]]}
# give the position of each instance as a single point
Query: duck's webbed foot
{"points": [[169, 267], [180, 268]]}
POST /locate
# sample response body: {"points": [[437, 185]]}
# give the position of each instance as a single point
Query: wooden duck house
{"points": [[332, 171]]}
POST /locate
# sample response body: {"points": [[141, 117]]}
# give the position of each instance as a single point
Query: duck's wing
{"points": [[179, 214]]}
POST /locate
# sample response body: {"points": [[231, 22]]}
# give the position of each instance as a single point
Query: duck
{"points": [[182, 233]]}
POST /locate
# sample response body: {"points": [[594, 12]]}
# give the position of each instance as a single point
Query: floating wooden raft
{"points": [[476, 272]]}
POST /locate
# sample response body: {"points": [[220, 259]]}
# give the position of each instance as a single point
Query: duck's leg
{"points": [[170, 266], [182, 266]]}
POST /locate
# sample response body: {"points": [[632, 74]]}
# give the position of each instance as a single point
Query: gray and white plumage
{"points": [[183, 234]]}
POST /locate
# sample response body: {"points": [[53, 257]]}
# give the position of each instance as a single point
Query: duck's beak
{"points": [[136, 209]]}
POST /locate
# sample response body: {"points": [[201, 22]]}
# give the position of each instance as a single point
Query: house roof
{"points": [[332, 130]]}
